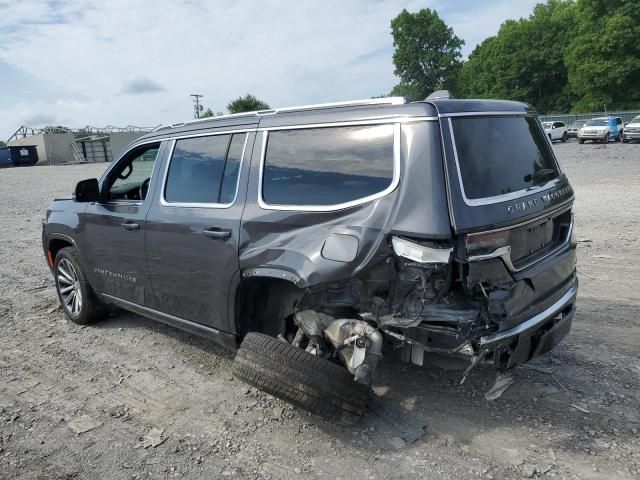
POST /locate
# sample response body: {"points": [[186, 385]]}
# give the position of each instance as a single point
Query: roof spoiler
{"points": [[440, 94]]}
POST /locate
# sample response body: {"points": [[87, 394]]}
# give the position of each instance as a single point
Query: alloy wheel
{"points": [[69, 287]]}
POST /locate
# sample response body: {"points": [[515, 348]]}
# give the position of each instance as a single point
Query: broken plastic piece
{"points": [[502, 383]]}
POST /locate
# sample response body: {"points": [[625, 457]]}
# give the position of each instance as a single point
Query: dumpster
{"points": [[18, 156]]}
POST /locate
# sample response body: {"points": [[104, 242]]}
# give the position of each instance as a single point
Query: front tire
{"points": [[580, 141], [308, 381], [605, 139], [76, 296], [565, 137]]}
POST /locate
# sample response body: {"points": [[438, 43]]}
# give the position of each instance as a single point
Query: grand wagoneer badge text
{"points": [[534, 202]]}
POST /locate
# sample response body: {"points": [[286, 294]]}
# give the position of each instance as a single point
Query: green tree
{"points": [[248, 103], [2, 144], [603, 57], [427, 54], [207, 113], [525, 60]]}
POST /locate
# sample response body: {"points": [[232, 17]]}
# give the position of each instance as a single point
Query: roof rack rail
{"points": [[348, 103], [317, 106]]}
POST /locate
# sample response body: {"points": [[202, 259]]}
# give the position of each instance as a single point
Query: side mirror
{"points": [[87, 191]]}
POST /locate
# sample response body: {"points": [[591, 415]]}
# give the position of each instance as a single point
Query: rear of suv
{"points": [[320, 239]]}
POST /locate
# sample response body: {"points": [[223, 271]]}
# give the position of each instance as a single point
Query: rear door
{"points": [[193, 227]]}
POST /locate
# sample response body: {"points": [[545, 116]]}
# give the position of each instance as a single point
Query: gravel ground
{"points": [[163, 404]]}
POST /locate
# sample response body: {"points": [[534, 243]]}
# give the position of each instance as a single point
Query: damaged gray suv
{"points": [[317, 240]]}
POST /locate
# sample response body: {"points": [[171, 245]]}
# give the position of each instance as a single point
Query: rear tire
{"points": [[580, 141], [565, 137], [76, 296], [307, 381]]}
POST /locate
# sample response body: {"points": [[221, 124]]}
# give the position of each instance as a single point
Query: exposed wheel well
{"points": [[266, 305], [56, 244]]}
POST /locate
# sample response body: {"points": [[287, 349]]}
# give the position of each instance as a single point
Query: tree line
{"points": [[568, 55]]}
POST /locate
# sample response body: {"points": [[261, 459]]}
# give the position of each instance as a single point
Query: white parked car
{"points": [[632, 130], [601, 129], [556, 131]]}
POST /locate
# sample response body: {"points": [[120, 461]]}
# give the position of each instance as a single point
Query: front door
{"points": [[113, 229], [193, 227]]}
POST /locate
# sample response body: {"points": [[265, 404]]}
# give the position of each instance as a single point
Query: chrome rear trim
{"points": [[534, 321]]}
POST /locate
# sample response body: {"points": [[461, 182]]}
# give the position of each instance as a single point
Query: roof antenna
{"points": [[439, 94]]}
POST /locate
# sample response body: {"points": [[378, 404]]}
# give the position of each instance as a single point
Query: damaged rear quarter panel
{"points": [[292, 241]]}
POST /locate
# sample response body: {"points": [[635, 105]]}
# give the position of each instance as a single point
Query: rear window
{"points": [[501, 155], [327, 166]]}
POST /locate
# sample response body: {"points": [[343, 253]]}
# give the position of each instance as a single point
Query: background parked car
{"points": [[572, 130], [601, 129], [556, 131], [632, 130]]}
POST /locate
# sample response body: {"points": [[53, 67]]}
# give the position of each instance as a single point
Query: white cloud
{"points": [[283, 52]]}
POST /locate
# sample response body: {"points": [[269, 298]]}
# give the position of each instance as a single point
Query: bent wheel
{"points": [[307, 381]]}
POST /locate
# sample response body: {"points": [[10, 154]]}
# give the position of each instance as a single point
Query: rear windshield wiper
{"points": [[539, 175]]}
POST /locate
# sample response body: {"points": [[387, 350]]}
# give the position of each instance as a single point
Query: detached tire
{"points": [[307, 381]]}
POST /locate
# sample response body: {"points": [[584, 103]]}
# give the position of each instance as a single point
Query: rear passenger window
{"points": [[204, 169], [327, 166]]}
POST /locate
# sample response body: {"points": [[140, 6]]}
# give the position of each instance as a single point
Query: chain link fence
{"points": [[626, 115]]}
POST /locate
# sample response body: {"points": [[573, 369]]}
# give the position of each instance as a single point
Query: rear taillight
{"points": [[486, 242], [420, 253]]}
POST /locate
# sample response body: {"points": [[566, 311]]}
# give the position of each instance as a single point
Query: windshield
{"points": [[547, 124], [598, 123], [635, 120], [500, 155], [577, 124]]}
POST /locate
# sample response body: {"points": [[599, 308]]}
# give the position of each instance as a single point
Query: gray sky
{"points": [[96, 62]]}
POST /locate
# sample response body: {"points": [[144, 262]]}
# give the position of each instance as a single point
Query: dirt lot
{"points": [[134, 378]]}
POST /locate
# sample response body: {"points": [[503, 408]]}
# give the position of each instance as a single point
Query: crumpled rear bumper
{"points": [[535, 336]]}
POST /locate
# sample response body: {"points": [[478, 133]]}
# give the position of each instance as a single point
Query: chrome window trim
{"points": [[395, 180], [476, 202], [165, 203], [375, 121]]}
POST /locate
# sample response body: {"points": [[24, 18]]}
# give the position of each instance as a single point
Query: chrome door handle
{"points": [[130, 226], [217, 234]]}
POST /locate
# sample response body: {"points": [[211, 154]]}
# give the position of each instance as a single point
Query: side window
{"points": [[619, 121], [131, 176], [327, 166], [204, 169]]}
